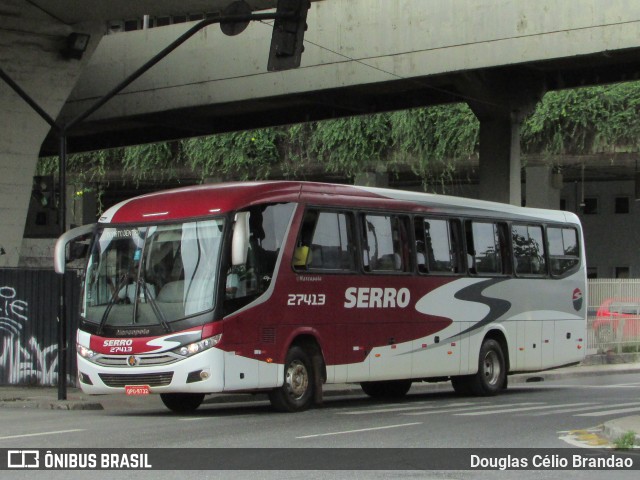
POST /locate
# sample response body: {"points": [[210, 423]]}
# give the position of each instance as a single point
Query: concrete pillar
{"points": [[501, 101], [540, 190], [30, 46], [500, 160]]}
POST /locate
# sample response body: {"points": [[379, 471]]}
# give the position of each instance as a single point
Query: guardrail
{"points": [[613, 321]]}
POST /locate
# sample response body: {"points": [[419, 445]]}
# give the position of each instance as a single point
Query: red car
{"points": [[615, 313]]}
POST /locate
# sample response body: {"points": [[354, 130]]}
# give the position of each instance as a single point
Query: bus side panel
{"points": [[439, 354], [548, 336]]}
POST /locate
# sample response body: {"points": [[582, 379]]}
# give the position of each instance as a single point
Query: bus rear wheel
{"points": [[297, 392], [182, 402], [387, 389]]}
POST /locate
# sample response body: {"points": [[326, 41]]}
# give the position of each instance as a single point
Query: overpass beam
{"points": [[501, 101]]}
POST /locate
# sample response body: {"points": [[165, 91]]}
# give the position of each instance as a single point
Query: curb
{"points": [[24, 403], [614, 429]]}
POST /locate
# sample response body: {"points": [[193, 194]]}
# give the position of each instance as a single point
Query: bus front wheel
{"points": [[297, 392], [182, 402]]}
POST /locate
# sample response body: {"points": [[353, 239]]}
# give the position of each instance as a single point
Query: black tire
{"points": [[462, 384], [492, 371], [391, 389], [182, 402], [297, 392]]}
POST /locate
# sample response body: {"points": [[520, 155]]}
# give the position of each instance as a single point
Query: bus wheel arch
{"points": [[491, 377], [493, 366], [304, 373], [499, 336]]}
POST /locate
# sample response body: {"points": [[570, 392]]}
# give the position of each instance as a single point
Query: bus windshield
{"points": [[150, 275]]}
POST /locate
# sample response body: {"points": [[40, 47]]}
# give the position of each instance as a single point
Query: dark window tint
{"points": [[435, 246], [267, 226], [485, 248], [590, 206], [622, 205], [563, 249], [385, 243], [528, 250], [325, 242]]}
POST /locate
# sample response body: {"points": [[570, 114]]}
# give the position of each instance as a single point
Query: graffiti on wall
{"points": [[22, 358]]}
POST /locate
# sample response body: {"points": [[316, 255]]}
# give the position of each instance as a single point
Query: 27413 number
{"points": [[296, 299]]}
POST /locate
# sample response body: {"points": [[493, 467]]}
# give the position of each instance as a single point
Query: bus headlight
{"points": [[84, 352], [197, 347]]}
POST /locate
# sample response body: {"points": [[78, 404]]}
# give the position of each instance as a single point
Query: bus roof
{"points": [[213, 199]]}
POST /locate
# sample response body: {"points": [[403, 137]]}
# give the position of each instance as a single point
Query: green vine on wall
{"points": [[427, 140]]}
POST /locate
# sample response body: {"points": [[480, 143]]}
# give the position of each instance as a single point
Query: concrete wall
{"points": [[391, 40], [611, 239], [30, 54]]}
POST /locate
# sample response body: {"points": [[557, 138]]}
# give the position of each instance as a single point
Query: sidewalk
{"points": [[47, 397]]}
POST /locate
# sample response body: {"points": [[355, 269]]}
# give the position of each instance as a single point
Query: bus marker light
{"points": [[424, 345], [453, 344], [394, 346], [269, 360], [377, 355], [449, 352], [521, 349], [579, 347]]}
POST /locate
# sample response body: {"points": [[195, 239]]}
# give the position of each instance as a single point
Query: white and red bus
{"points": [[282, 287]]}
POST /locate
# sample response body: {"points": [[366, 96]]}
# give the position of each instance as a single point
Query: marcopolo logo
{"points": [[577, 299]]}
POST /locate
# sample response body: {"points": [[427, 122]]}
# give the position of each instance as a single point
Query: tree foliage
{"points": [[428, 140]]}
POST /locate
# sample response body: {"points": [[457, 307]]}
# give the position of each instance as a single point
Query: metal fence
{"points": [[29, 329], [613, 321]]}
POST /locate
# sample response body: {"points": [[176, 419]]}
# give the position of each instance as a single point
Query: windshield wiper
{"points": [[154, 305], [112, 301]]}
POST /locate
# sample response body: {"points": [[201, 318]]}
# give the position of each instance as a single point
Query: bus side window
{"points": [[325, 242], [528, 250], [471, 253], [267, 225], [385, 243], [564, 254], [435, 246], [486, 248]]}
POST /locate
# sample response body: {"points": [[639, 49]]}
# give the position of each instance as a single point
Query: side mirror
{"points": [[240, 239], [77, 251]]}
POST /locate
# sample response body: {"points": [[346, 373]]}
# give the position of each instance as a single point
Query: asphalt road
{"points": [[534, 415]]}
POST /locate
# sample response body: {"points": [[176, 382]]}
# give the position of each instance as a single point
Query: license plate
{"points": [[137, 390]]}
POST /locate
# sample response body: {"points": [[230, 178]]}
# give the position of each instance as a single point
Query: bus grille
{"points": [[143, 360], [161, 379]]}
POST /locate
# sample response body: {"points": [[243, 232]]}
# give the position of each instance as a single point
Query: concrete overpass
{"points": [[33, 36], [362, 56], [365, 56]]}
